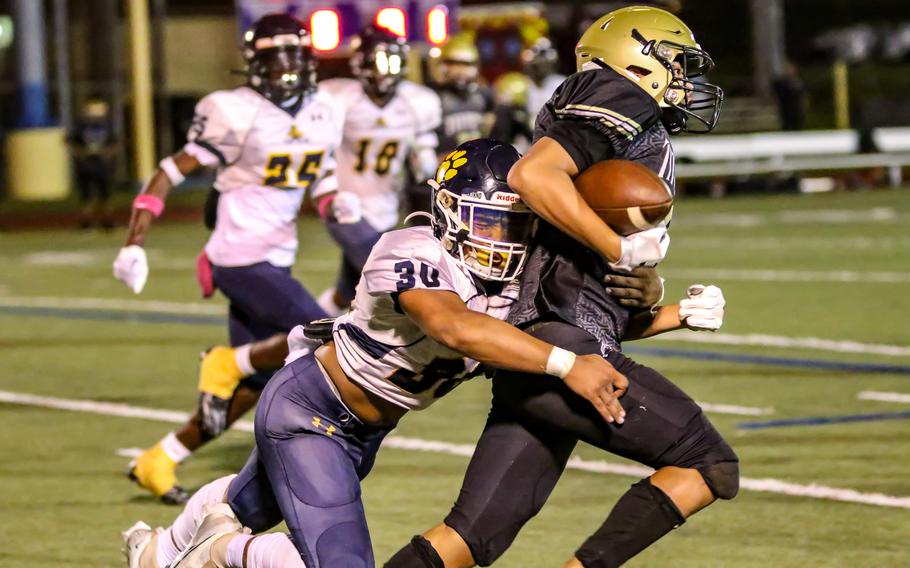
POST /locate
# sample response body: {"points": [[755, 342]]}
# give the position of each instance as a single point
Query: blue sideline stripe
{"points": [[766, 360], [196, 319], [113, 315], [822, 420]]}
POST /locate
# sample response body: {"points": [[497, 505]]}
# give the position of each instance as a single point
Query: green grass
{"points": [[64, 495]]}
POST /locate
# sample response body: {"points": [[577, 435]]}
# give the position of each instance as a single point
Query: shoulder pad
{"points": [[232, 109], [408, 258], [608, 99], [345, 91], [425, 102]]}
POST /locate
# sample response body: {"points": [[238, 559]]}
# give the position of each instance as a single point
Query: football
{"points": [[628, 196]]}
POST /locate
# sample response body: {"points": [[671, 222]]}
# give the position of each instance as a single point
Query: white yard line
{"points": [[884, 396], [734, 409], [762, 340], [778, 244], [415, 444], [158, 258], [812, 216], [757, 275]]}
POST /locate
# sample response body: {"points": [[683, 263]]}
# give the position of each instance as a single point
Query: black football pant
{"points": [[534, 424]]}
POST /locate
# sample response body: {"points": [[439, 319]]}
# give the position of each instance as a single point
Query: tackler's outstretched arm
{"points": [[445, 318]]}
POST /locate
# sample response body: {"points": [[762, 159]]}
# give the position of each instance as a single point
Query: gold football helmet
{"points": [[512, 89], [457, 63], [657, 51]]}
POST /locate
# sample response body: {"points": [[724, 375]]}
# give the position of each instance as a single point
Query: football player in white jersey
{"points": [[389, 125], [539, 64], [428, 311], [270, 141]]}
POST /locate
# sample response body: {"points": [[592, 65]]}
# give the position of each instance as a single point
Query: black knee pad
{"points": [[722, 478], [418, 553], [703, 448]]}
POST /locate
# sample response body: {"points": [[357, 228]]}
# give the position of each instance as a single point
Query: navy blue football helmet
{"points": [[481, 222], [280, 61], [380, 61]]}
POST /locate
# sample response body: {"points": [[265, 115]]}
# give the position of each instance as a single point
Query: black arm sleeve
{"points": [[583, 141]]}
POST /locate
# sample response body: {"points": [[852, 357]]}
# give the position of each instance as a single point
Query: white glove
{"points": [[131, 267], [644, 248], [703, 308], [346, 208]]}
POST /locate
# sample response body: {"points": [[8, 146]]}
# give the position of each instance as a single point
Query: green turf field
{"points": [[832, 267]]}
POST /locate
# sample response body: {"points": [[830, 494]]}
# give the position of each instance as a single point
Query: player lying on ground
{"points": [[270, 142], [428, 311], [634, 82], [389, 126]]}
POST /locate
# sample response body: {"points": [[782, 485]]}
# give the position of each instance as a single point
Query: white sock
{"points": [[177, 536], [326, 301], [272, 550], [242, 357], [174, 448]]}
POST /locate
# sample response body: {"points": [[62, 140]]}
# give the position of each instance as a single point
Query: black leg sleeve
{"points": [[641, 516], [511, 474], [418, 553]]}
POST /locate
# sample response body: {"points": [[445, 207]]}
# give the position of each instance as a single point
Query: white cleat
{"points": [[218, 521], [135, 540]]}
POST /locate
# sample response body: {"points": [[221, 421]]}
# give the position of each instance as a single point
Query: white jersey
{"points": [[386, 353], [378, 140], [266, 160]]}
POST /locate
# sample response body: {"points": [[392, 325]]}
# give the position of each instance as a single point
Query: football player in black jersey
{"points": [[638, 77]]}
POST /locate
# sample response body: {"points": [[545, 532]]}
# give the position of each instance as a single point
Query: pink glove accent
{"points": [[204, 274], [150, 203], [324, 205]]}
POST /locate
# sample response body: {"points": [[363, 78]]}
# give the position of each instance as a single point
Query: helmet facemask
{"points": [[685, 97], [487, 237], [380, 70], [281, 68]]}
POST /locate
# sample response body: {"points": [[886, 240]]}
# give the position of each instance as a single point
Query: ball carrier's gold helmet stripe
{"points": [[657, 51]]}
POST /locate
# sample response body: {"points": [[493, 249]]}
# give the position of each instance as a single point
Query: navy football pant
{"points": [[265, 300], [310, 456], [356, 241], [536, 421]]}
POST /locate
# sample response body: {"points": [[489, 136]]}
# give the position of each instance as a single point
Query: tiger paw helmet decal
{"points": [[449, 166]]}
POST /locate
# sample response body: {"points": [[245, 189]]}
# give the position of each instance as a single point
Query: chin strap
{"points": [[416, 214]]}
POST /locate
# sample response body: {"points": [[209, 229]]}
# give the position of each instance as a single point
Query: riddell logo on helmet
{"points": [[506, 197]]}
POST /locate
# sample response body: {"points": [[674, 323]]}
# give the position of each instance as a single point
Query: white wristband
{"points": [[170, 169], [560, 362]]}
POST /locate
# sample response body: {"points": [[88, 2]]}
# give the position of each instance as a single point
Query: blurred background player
{"points": [[390, 125], [467, 106], [512, 121], [93, 146], [270, 141], [539, 62]]}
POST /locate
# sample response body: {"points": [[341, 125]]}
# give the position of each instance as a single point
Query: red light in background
{"points": [[438, 25], [394, 20], [325, 28]]}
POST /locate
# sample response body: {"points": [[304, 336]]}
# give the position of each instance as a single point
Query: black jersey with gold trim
{"points": [[594, 115]]}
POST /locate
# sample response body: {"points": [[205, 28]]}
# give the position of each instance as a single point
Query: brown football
{"points": [[626, 195]]}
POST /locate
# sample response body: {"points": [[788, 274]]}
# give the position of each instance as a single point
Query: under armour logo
{"points": [[317, 422]]}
